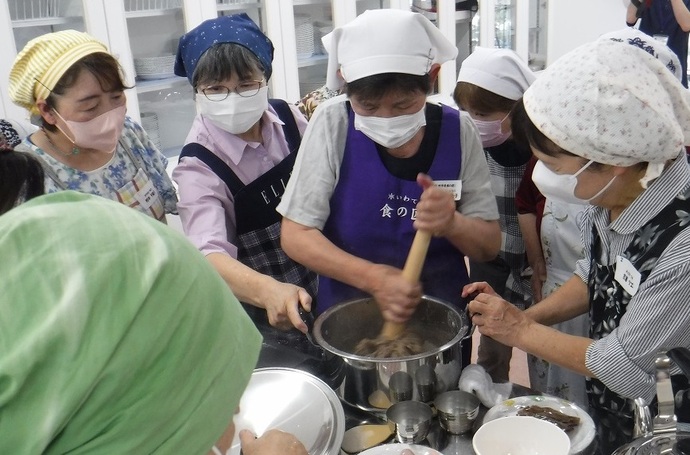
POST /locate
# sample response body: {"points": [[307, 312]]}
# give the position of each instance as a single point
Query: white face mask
{"points": [[234, 114], [391, 132], [561, 187], [490, 131]]}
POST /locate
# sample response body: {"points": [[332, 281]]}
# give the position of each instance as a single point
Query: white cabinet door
{"points": [[143, 35], [303, 24], [20, 22], [456, 25]]}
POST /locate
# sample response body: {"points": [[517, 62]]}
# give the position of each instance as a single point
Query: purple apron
{"points": [[372, 213]]}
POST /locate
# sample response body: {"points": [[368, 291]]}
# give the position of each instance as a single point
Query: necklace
{"points": [[75, 149]]}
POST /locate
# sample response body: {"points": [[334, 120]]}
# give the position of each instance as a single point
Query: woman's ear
{"points": [[433, 73], [46, 112]]}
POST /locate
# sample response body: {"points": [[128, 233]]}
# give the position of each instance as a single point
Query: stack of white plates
{"points": [[149, 121], [157, 67], [33, 9], [321, 29], [304, 35], [151, 5]]}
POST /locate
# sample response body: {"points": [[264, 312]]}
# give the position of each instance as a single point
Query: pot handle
{"points": [[665, 421], [467, 301], [681, 357]]}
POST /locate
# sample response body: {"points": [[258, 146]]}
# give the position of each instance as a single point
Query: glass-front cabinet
{"points": [[143, 35], [23, 20], [305, 22], [165, 101], [520, 25]]}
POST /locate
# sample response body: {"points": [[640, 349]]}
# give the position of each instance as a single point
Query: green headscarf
{"points": [[116, 335]]}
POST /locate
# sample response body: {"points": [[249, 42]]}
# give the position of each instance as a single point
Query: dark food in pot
{"points": [[409, 343], [563, 421]]}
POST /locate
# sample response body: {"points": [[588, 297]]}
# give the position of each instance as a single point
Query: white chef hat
{"points": [[384, 41], [612, 103], [500, 71]]}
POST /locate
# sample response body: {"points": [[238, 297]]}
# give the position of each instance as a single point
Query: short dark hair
{"points": [[102, 65], [21, 178], [223, 60], [376, 86], [473, 97]]}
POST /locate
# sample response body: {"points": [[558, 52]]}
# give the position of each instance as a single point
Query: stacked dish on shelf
{"points": [[321, 29], [150, 5], [304, 36], [33, 9], [156, 67], [233, 2], [149, 121]]}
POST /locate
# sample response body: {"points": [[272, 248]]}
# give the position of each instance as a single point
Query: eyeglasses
{"points": [[245, 89]]}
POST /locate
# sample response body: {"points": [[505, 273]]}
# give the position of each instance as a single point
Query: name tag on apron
{"points": [[627, 275], [141, 194], [147, 196], [454, 186]]}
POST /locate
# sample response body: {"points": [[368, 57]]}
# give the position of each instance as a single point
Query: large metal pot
{"points": [[372, 383]]}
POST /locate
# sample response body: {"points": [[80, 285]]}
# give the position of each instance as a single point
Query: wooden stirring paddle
{"points": [[393, 341]]}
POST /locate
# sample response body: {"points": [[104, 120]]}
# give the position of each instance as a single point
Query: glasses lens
{"points": [[216, 93], [247, 89]]}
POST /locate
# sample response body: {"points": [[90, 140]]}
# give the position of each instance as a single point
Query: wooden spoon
{"points": [[411, 272], [363, 437]]}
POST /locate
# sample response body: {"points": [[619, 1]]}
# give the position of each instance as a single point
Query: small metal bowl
{"points": [[457, 411], [409, 421]]}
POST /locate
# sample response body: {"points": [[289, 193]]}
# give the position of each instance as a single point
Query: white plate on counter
{"points": [[395, 449], [580, 437]]}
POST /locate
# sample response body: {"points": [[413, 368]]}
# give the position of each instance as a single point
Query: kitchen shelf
{"points": [[145, 86], [152, 12], [237, 6], [460, 16], [43, 21], [310, 2], [319, 59]]}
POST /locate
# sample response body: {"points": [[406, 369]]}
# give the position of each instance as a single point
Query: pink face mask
{"points": [[100, 133], [490, 132]]}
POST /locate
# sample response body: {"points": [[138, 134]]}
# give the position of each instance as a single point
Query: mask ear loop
{"points": [[75, 149], [582, 169]]}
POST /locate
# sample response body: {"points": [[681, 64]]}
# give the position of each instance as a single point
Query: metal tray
{"points": [[294, 401]]}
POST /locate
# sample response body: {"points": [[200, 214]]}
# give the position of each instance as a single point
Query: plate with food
{"points": [[568, 416], [400, 449]]}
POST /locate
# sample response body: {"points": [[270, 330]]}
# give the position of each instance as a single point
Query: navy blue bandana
{"points": [[238, 29]]}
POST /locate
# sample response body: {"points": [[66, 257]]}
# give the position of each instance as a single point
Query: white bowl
{"points": [[520, 435]]}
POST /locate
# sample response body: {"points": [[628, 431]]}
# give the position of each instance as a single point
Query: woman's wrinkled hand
{"points": [[271, 443], [396, 297], [435, 209], [282, 302], [496, 318]]}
